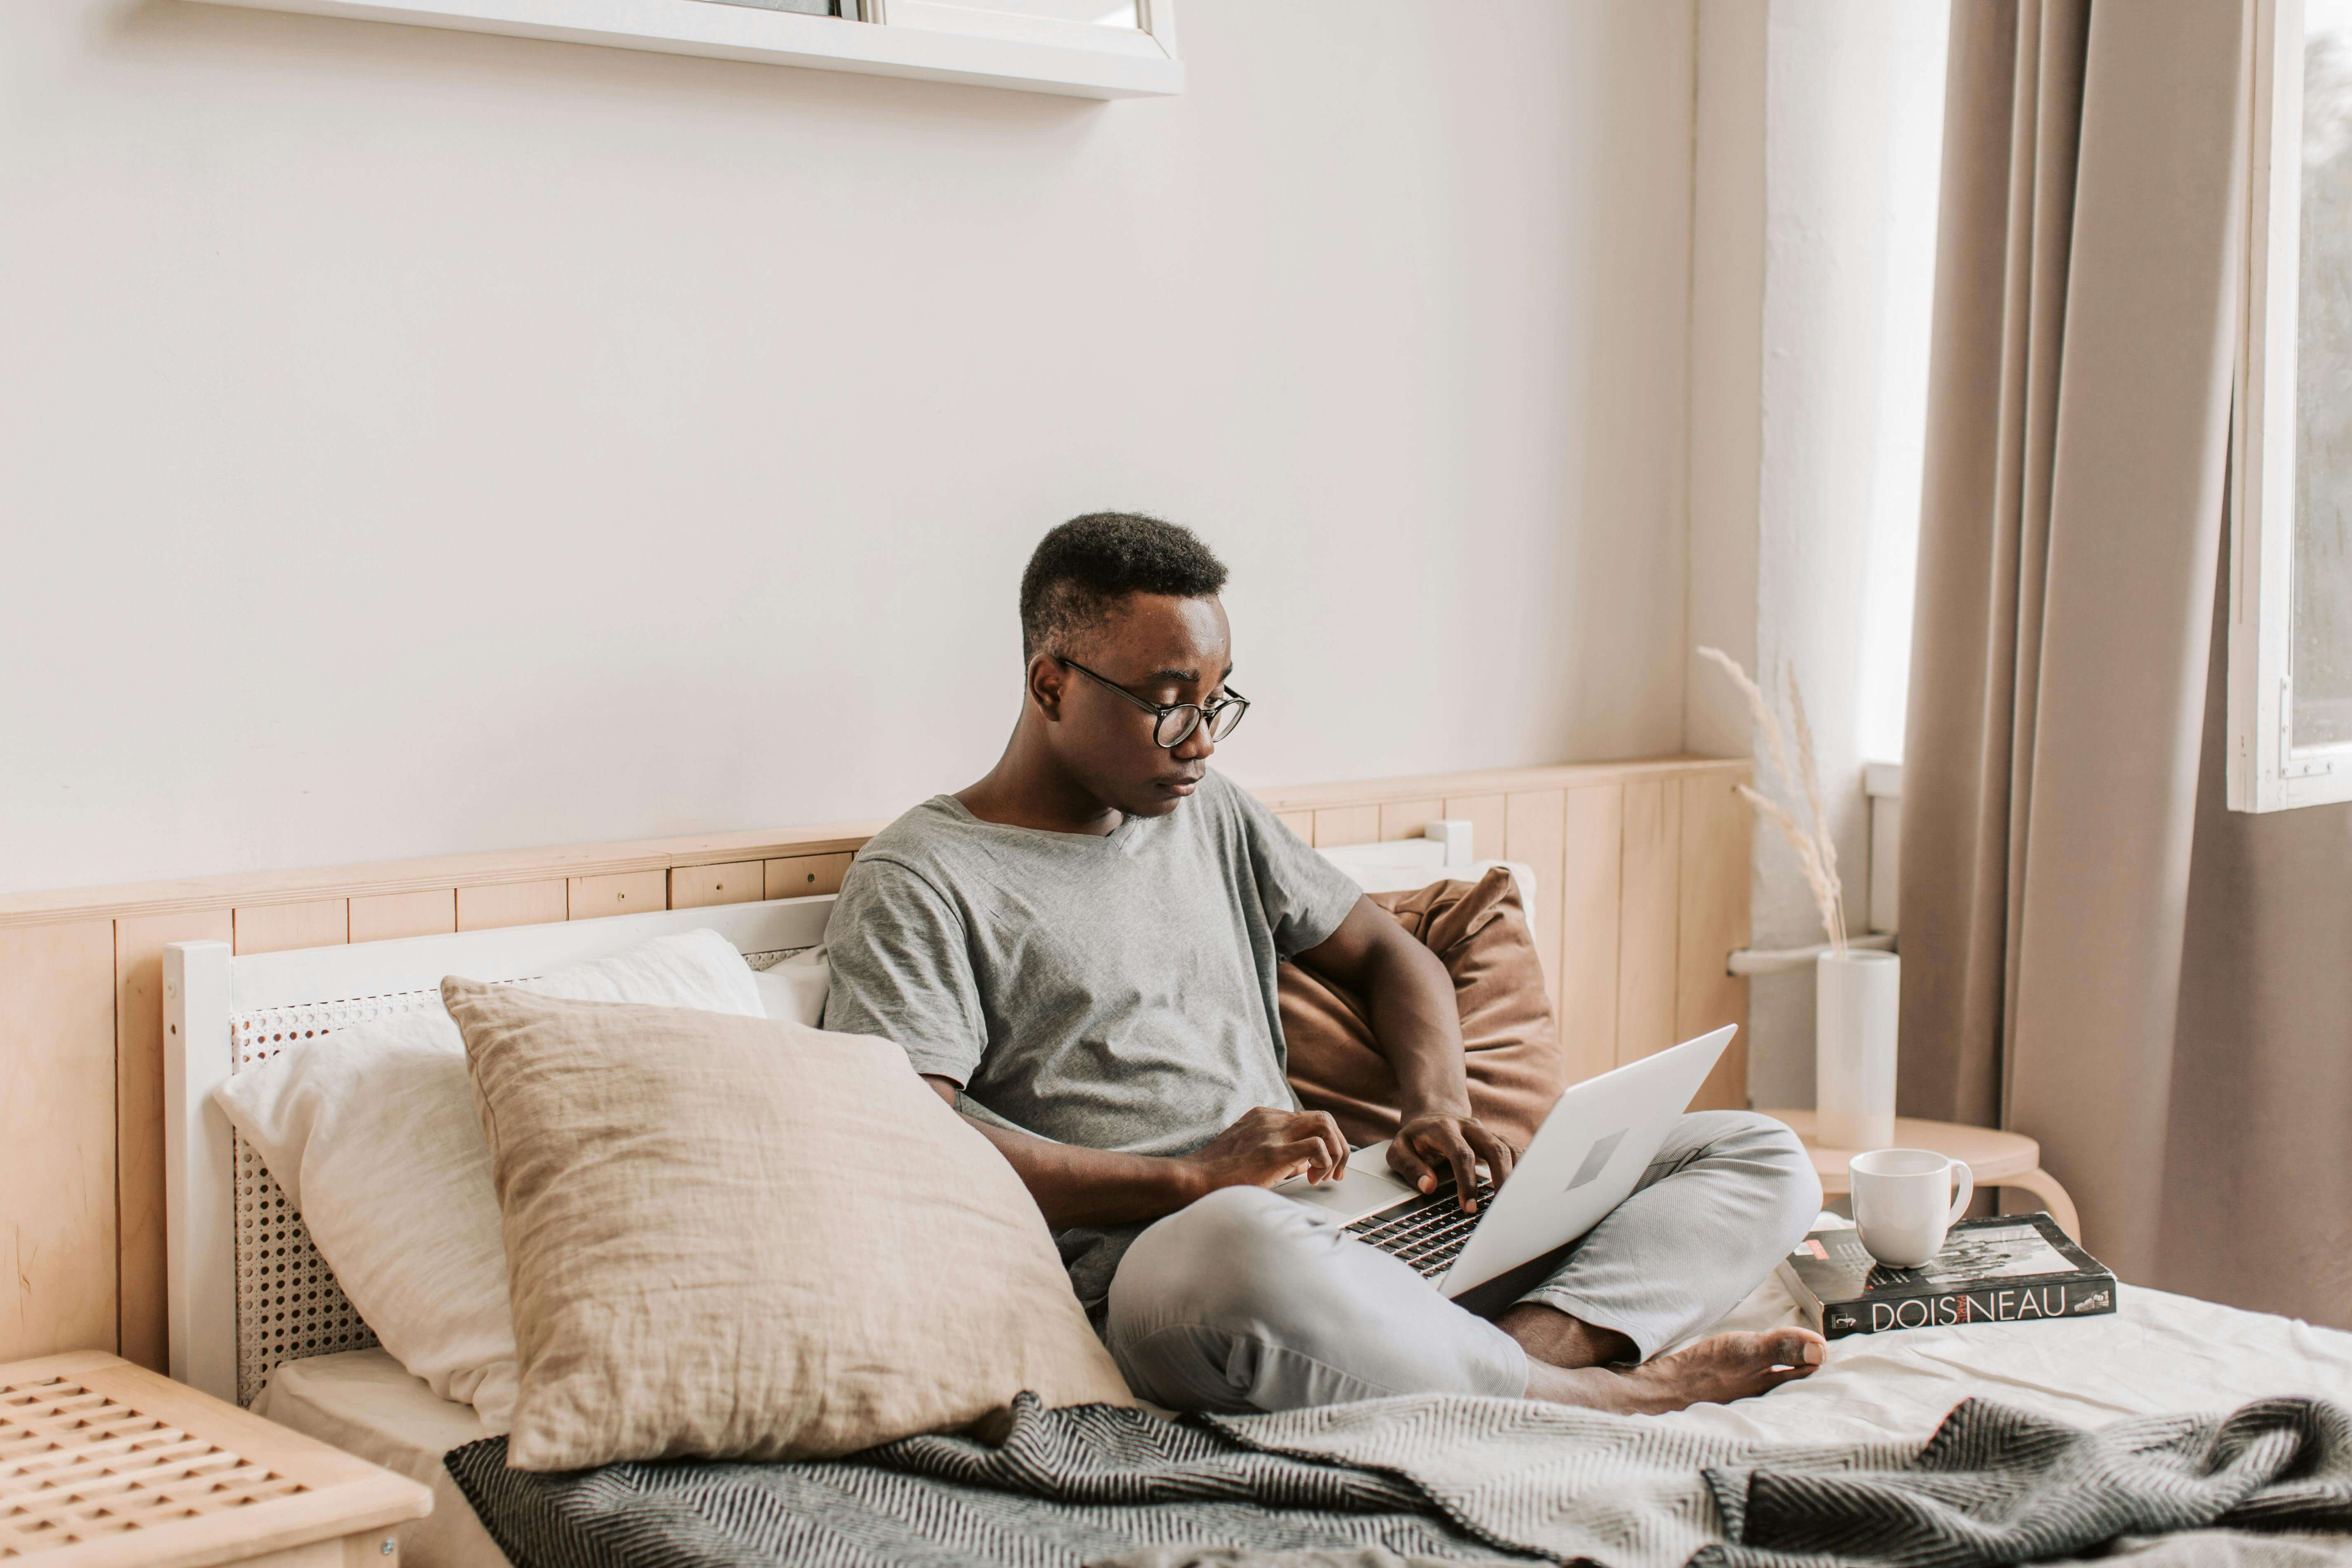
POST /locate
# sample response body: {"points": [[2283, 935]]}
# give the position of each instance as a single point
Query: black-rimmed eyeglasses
{"points": [[1173, 722]]}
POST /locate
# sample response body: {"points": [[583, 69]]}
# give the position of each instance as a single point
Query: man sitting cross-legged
{"points": [[1079, 953]]}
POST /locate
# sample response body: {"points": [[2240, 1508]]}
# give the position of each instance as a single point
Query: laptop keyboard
{"points": [[1427, 1230]]}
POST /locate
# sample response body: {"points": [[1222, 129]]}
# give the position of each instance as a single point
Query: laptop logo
{"points": [[1596, 1161]]}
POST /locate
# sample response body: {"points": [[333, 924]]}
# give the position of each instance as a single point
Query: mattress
{"points": [[365, 1402], [2156, 1353]]}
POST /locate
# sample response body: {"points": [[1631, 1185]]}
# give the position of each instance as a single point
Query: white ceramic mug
{"points": [[1903, 1202]]}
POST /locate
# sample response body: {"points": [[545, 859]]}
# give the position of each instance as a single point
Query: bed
{"points": [[2158, 1353], [281, 1338]]}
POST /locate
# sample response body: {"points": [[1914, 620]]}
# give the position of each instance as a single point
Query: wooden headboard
{"points": [[1642, 890]]}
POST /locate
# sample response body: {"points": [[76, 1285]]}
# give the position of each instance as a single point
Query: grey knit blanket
{"points": [[1993, 1485], [1437, 1479]]}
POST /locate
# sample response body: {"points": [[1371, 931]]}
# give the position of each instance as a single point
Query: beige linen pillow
{"points": [[744, 1238]]}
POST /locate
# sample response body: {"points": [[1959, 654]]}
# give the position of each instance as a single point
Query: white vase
{"points": [[1857, 995]]}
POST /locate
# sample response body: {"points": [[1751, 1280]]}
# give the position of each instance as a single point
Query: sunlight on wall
{"points": [[1914, 142]]}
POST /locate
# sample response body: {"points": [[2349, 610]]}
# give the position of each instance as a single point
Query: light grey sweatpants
{"points": [[1248, 1302]]}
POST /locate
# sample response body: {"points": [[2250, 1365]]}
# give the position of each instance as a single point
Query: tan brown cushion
{"points": [[737, 1236], [1515, 1065]]}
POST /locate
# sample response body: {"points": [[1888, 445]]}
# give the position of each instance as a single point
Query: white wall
{"points": [[1726, 384], [413, 441], [1819, 136]]}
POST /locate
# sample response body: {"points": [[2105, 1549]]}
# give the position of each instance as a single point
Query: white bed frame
{"points": [[218, 1006]]}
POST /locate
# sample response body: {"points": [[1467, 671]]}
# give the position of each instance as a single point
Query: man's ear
{"points": [[1047, 680]]}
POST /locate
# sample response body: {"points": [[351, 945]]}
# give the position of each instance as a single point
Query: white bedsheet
{"points": [[2156, 1352]]}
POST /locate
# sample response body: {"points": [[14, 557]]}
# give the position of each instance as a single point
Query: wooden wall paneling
{"points": [[139, 942], [252, 890], [384, 916], [273, 927], [1717, 850], [1338, 825], [1593, 858], [1301, 823], [698, 887], [1647, 925], [806, 876], [512, 866], [57, 1224], [1486, 815], [1476, 781], [497, 904], [620, 893], [1534, 829], [1408, 818]]}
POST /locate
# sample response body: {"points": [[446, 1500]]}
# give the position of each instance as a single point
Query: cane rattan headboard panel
{"points": [[288, 1304], [248, 1288]]}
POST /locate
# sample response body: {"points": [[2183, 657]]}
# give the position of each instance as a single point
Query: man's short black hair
{"points": [[1083, 568]]}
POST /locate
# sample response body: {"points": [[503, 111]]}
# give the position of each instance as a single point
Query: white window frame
{"points": [[2267, 772], [920, 38]]}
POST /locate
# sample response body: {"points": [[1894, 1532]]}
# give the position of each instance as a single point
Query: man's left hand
{"points": [[1432, 1145]]}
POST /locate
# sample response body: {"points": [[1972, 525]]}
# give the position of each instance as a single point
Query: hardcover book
{"points": [[2013, 1268]]}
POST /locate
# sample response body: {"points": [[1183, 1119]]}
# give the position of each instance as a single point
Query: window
{"points": [[1082, 49], [2291, 540]]}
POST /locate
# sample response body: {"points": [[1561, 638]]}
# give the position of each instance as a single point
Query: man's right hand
{"points": [[1075, 1185], [1268, 1146]]}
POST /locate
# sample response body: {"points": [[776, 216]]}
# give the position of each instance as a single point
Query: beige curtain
{"points": [[2071, 530]]}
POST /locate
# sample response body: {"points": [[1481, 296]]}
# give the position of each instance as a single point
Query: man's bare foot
{"points": [[1715, 1370]]}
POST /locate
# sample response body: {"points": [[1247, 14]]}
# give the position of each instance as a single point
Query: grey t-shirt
{"points": [[1114, 992]]}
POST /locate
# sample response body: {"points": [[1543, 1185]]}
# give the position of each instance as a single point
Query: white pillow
{"points": [[373, 1135], [794, 988]]}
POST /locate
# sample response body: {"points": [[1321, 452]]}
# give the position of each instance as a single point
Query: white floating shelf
{"points": [[1103, 62]]}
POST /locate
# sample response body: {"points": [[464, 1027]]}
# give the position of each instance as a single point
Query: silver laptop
{"points": [[1583, 1162]]}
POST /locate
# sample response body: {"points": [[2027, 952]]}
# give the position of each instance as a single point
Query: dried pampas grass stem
{"points": [[1833, 909], [1759, 711], [1816, 851]]}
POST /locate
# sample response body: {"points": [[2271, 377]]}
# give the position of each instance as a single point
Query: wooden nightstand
{"points": [[1996, 1159], [104, 1464]]}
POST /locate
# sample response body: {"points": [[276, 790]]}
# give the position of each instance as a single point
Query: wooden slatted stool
{"points": [[1996, 1159], [104, 1464]]}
